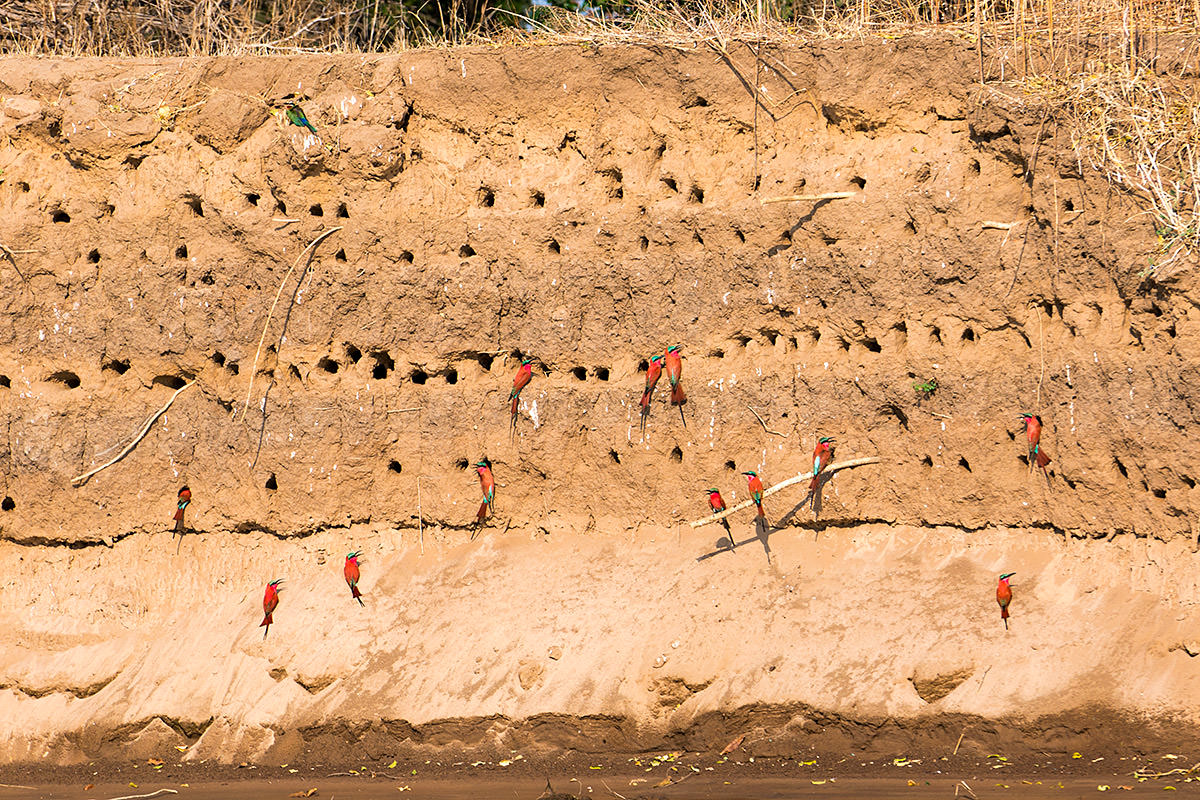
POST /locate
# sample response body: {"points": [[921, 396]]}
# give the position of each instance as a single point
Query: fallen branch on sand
{"points": [[79, 480], [258, 353], [142, 796], [800, 198], [803, 476]]}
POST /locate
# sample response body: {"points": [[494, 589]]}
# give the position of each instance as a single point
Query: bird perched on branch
{"points": [[674, 367], [487, 485], [717, 504], [756, 492], [352, 574], [1004, 596], [1033, 432], [822, 455], [653, 373], [185, 497], [295, 115], [520, 381], [270, 602]]}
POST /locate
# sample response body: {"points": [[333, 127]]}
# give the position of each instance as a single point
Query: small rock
{"points": [[555, 653]]}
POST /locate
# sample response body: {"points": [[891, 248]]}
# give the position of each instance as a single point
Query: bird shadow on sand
{"points": [[762, 533]]}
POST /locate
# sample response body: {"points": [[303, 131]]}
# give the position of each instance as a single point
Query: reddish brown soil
{"points": [[586, 205]]}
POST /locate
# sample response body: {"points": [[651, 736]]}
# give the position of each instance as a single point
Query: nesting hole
{"points": [[253, 197], [170, 381], [193, 202], [974, 166], [696, 195], [676, 454], [466, 251], [741, 237], [613, 455], [451, 376], [23, 186], [94, 256], [614, 176], [537, 199], [697, 238], [1068, 204], [553, 247], [462, 463], [394, 466], [406, 256], [962, 462], [353, 353], [66, 378], [181, 251], [383, 365], [927, 461], [342, 211], [340, 255], [643, 243], [859, 181], [968, 335], [486, 197], [730, 465], [643, 365], [5, 382], [935, 333], [418, 376], [910, 228], [670, 183], [316, 210], [117, 365], [580, 373], [602, 373], [328, 365], [1121, 468], [108, 209], [1191, 483], [485, 360], [7, 504], [271, 483], [60, 216], [294, 372], [872, 344], [1159, 493]]}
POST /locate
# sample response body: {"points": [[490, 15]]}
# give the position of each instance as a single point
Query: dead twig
{"points": [[798, 198], [284, 220], [999, 226], [142, 796], [307, 252], [404, 410], [959, 742], [760, 422], [79, 480], [803, 476]]}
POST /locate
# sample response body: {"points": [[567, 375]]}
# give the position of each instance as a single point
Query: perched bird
{"points": [[185, 497], [756, 492], [1033, 432], [653, 373], [1004, 596], [520, 381], [270, 601], [488, 485], [352, 575], [674, 366], [295, 115], [822, 455], [717, 504]]}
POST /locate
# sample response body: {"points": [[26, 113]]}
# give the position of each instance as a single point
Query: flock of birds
{"points": [[672, 363]]}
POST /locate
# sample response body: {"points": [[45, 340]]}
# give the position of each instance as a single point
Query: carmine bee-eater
{"points": [[487, 484], [520, 381], [674, 367], [717, 504], [1004, 596], [1033, 432], [270, 601], [653, 372], [822, 455], [352, 574], [756, 492], [295, 115], [185, 497]]}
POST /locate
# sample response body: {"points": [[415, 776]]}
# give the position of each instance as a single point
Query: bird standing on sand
{"points": [[756, 492], [1033, 432], [295, 115], [717, 504], [352, 574], [487, 485], [520, 381], [674, 366], [1004, 596], [185, 497], [822, 455], [270, 602], [653, 372]]}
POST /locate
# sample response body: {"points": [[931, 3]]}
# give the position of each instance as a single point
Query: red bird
{"points": [[1033, 432], [717, 504], [352, 575], [488, 485], [1004, 596], [674, 365], [520, 381], [822, 455], [185, 497], [756, 492], [270, 601], [653, 373]]}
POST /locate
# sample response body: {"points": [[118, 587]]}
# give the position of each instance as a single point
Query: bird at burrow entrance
{"points": [[185, 497], [822, 456], [653, 373], [1033, 432], [352, 573], [1004, 596], [487, 484], [717, 504], [520, 381], [270, 603], [295, 115], [756, 493], [674, 367]]}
